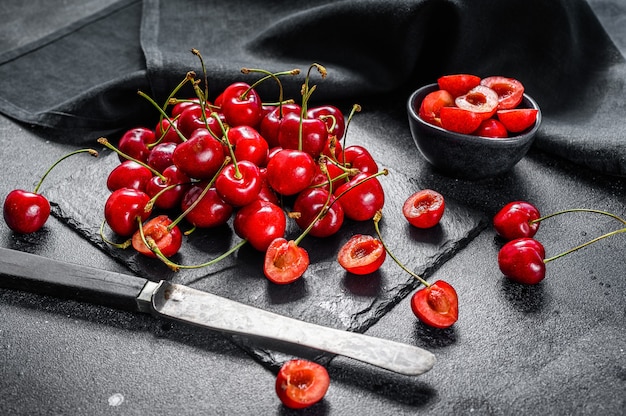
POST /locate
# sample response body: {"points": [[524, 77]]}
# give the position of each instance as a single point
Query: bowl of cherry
{"points": [[473, 128]]}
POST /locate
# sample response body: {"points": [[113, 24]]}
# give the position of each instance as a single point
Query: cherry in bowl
{"points": [[468, 156]]}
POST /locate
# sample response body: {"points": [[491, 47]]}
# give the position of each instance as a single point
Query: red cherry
{"points": [[309, 203], [362, 254], [361, 198], [166, 132], [122, 209], [431, 106], [271, 122], [161, 156], [459, 120], [424, 208], [170, 188], [129, 174], [310, 137], [25, 212], [240, 184], [522, 260], [301, 383], [481, 100], [436, 305], [210, 211], [158, 229], [134, 143], [519, 119], [492, 128], [332, 116], [358, 157], [180, 106], [192, 119], [241, 105], [509, 90], [260, 222], [249, 145], [515, 220], [285, 262], [458, 84], [290, 171], [200, 157]]}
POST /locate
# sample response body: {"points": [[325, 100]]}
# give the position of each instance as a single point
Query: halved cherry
{"points": [[519, 119], [492, 128], [459, 120], [432, 104], [285, 262], [362, 254], [458, 84], [480, 99], [436, 305], [301, 383], [510, 91], [158, 229], [424, 208]]}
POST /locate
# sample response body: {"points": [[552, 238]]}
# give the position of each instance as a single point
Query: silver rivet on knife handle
{"points": [[210, 311]]}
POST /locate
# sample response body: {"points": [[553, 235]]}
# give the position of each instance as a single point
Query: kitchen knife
{"points": [[32, 273]]}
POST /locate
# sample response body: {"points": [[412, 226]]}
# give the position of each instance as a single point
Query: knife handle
{"points": [[37, 274]]}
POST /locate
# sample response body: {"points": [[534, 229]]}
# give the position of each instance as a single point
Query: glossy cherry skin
{"points": [[285, 262], [436, 305], [514, 220], [129, 174], [167, 240], [161, 156], [249, 145], [260, 222], [358, 157], [165, 132], [460, 120], [362, 198], [518, 119], [314, 134], [522, 260], [239, 190], [290, 171], [271, 123], [362, 254], [210, 211], [424, 208], [170, 198], [301, 383], [331, 116], [240, 109], [192, 119], [458, 84], [122, 209], [25, 212], [201, 156], [491, 128], [134, 143], [430, 107], [309, 203]]}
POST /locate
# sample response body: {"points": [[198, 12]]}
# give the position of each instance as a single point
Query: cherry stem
{"points": [[203, 107], [163, 114], [231, 150], [585, 244], [202, 194], [90, 151], [103, 141], [188, 77], [356, 108], [377, 217], [196, 52], [275, 76], [123, 245], [595, 211], [306, 95]]}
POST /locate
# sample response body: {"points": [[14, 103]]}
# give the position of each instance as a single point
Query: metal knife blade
{"points": [[29, 272]]}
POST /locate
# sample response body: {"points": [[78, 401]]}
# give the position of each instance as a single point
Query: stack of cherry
{"points": [[486, 107]]}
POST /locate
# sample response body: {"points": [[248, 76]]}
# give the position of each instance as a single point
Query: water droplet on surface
{"points": [[116, 399]]}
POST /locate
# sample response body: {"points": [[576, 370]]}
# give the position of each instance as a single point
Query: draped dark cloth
{"points": [[81, 81]]}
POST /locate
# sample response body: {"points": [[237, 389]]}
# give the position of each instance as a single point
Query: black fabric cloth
{"points": [[82, 81]]}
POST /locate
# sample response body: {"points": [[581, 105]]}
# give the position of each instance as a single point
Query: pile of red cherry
{"points": [[486, 107]]}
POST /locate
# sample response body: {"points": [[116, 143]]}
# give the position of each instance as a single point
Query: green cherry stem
{"points": [[377, 217], [122, 245], [356, 108], [595, 211], [103, 141], [163, 114], [197, 53], [622, 230], [90, 151], [268, 75]]}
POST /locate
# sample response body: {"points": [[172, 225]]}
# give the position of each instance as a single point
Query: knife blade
{"points": [[29, 272]]}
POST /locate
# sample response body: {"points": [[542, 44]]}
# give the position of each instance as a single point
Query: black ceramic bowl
{"points": [[466, 156]]}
